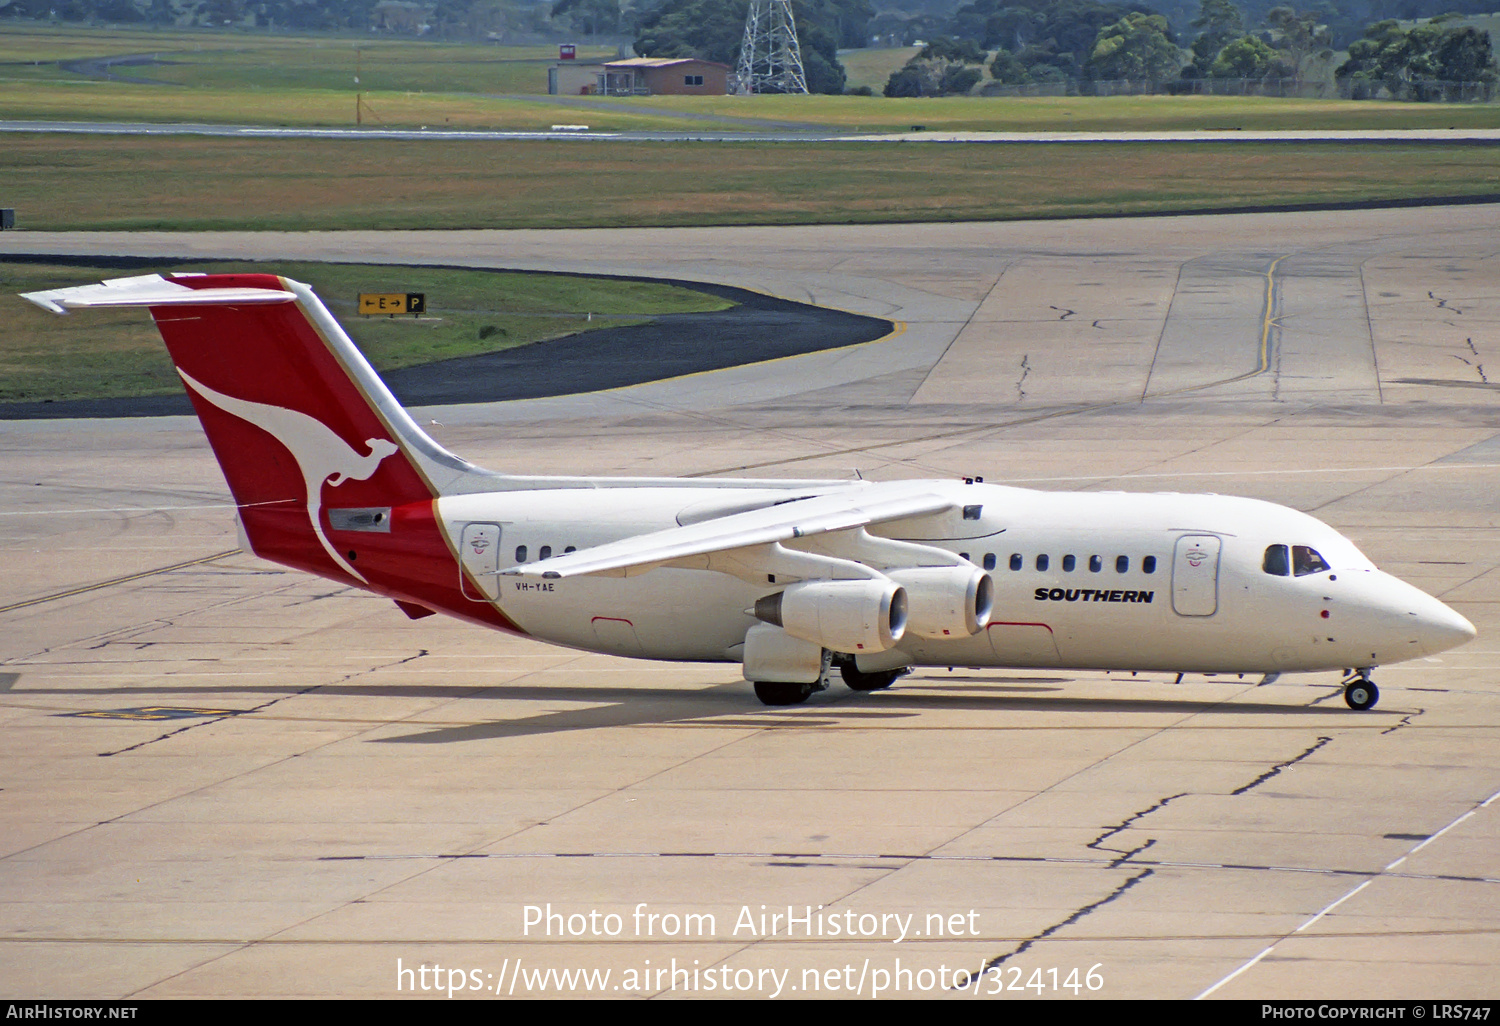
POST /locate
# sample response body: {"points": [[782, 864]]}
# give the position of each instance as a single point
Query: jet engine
{"points": [[842, 616], [946, 601]]}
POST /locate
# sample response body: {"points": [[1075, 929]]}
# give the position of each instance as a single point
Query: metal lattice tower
{"points": [[770, 56]]}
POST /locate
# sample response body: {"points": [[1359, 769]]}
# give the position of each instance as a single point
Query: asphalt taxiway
{"points": [[227, 780]]}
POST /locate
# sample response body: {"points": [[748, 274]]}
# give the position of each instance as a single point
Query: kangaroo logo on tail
{"points": [[322, 456]]}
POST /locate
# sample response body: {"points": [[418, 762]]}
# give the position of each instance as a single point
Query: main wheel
{"points": [[1361, 694], [778, 692], [877, 681]]}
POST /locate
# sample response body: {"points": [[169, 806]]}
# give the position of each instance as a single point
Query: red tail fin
{"points": [[289, 426], [324, 465]]}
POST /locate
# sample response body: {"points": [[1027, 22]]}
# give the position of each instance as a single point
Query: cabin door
{"points": [[1195, 575]]}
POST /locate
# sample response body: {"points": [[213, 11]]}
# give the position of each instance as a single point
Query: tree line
{"points": [[1041, 42], [1018, 42]]}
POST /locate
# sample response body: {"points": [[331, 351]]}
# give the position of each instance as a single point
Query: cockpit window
{"points": [[1306, 561], [1296, 560]]}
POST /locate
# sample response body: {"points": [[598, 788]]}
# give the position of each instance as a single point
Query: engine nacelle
{"points": [[843, 616], [946, 601]]}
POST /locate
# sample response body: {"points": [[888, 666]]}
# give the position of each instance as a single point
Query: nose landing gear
{"points": [[1360, 691]]}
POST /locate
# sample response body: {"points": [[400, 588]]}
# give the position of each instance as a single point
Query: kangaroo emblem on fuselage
{"points": [[322, 456]]}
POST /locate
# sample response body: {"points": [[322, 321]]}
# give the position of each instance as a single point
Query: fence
{"points": [[1347, 89]]}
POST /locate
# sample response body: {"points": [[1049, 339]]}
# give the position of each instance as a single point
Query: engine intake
{"points": [[842, 616], [947, 601]]}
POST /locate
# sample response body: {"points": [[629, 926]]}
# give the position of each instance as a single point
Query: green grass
{"points": [[248, 78], [187, 183], [113, 101], [1087, 113], [119, 353], [235, 61], [874, 68]]}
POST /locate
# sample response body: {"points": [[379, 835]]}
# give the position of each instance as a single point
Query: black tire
{"points": [[1361, 694], [879, 681], [777, 692]]}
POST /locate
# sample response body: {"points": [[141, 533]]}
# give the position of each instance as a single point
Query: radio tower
{"points": [[770, 56]]}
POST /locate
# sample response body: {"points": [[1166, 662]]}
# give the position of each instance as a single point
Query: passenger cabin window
{"points": [[1095, 564], [570, 548], [989, 561], [1306, 561], [545, 552], [1122, 564], [1041, 562], [520, 553], [1148, 565], [1069, 562], [1015, 561]]}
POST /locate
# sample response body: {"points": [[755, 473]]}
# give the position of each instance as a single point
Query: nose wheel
{"points": [[1360, 691]]}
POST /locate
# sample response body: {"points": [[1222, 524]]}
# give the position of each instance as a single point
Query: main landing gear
{"points": [[1360, 691], [775, 692], [780, 692], [877, 681]]}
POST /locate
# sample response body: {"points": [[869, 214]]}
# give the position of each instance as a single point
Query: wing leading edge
{"points": [[858, 506]]}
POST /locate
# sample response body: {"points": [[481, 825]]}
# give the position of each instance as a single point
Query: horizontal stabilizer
{"points": [[839, 511], [149, 290]]}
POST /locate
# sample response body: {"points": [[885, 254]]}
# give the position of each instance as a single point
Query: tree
{"points": [[1246, 57], [591, 17], [1298, 36], [1407, 63], [1007, 69], [944, 67], [1219, 23], [1138, 47]]}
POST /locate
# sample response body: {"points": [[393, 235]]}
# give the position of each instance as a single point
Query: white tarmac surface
{"points": [[345, 795]]}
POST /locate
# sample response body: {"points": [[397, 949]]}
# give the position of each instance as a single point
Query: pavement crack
{"points": [[1405, 721], [1066, 313], [267, 704], [1025, 371], [1274, 770], [1098, 843], [1000, 960]]}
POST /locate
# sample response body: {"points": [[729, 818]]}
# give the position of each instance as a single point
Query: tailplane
{"points": [[324, 465]]}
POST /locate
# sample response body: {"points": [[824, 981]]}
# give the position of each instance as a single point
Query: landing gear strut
{"points": [[1360, 691]]}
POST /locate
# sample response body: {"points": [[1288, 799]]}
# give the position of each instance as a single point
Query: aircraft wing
{"points": [[797, 518]]}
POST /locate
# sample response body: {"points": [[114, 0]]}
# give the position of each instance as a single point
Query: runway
{"points": [[228, 780], [756, 130]]}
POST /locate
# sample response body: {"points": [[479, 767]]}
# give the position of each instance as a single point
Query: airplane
{"points": [[793, 579]]}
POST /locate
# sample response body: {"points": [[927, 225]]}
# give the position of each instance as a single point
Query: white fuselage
{"points": [[1083, 580]]}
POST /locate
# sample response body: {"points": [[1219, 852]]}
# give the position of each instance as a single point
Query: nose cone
{"points": [[1429, 622], [1440, 628]]}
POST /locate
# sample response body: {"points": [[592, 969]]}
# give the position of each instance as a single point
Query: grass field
{"points": [[228, 78], [233, 61], [1085, 113], [873, 68], [83, 100], [119, 353], [195, 183]]}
